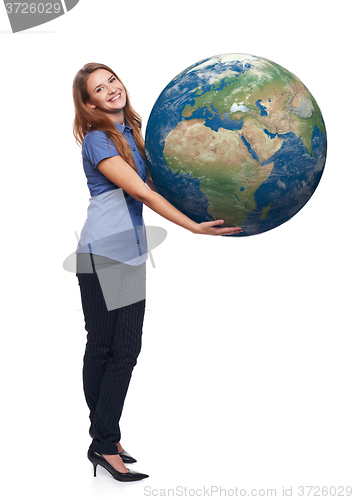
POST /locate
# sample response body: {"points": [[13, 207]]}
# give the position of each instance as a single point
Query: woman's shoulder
{"points": [[97, 145], [94, 135], [97, 139]]}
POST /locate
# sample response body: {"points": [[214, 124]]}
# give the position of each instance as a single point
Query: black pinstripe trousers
{"points": [[114, 339]]}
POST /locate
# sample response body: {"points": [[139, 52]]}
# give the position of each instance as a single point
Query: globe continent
{"points": [[239, 138]]}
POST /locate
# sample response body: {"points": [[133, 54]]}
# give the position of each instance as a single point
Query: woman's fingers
{"points": [[209, 228], [230, 230]]}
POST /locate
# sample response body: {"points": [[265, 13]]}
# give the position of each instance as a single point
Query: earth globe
{"points": [[239, 138]]}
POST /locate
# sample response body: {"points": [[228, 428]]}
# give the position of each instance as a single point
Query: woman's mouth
{"points": [[115, 98]]}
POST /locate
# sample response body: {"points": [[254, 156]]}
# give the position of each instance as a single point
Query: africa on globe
{"points": [[239, 138]]}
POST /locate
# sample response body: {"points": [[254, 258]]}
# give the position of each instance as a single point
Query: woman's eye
{"points": [[99, 89], [112, 79]]}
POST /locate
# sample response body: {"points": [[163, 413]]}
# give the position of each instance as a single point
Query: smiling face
{"points": [[107, 94]]}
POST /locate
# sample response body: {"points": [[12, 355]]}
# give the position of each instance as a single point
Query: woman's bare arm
{"points": [[121, 174]]}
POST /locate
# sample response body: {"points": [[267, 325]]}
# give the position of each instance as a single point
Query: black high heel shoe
{"points": [[97, 459], [124, 455]]}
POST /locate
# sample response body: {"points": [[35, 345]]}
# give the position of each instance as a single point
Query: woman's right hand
{"points": [[210, 229]]}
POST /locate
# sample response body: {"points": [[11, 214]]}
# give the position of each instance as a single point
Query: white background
{"points": [[246, 373]]}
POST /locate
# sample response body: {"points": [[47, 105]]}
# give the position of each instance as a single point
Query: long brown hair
{"points": [[87, 119]]}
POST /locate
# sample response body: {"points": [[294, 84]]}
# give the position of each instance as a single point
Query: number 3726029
{"points": [[32, 8]]}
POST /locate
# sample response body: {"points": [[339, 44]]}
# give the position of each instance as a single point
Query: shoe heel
{"points": [[94, 469]]}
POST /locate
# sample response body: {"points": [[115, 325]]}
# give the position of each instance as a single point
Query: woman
{"points": [[112, 251]]}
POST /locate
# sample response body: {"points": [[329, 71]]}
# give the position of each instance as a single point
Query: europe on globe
{"points": [[239, 138]]}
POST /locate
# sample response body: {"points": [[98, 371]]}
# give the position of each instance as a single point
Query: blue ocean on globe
{"points": [[239, 138]]}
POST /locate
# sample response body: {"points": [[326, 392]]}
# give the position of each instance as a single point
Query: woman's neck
{"points": [[117, 117]]}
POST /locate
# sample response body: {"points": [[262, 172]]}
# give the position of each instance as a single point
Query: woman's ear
{"points": [[90, 104]]}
